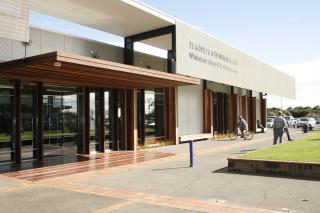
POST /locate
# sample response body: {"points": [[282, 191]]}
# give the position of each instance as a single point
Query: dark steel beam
{"points": [[101, 120], [17, 120], [39, 121], [86, 123], [153, 33]]}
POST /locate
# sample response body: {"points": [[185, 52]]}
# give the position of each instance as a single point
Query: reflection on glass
{"points": [[28, 114], [61, 120], [154, 114], [107, 120], [94, 121], [6, 122]]}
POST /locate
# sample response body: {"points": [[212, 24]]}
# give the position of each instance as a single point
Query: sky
{"points": [[283, 33]]}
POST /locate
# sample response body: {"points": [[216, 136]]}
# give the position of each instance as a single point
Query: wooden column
{"points": [[226, 112], [234, 111], [244, 107], [213, 112], [113, 117], [264, 112], [171, 114], [17, 121], [207, 112], [39, 121], [132, 129], [252, 114]]}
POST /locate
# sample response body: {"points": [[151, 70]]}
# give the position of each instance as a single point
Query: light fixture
{"points": [[57, 64]]}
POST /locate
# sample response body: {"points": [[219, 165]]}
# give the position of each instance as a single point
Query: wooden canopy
{"points": [[65, 68]]}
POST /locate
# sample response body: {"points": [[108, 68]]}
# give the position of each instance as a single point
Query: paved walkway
{"points": [[163, 184]]}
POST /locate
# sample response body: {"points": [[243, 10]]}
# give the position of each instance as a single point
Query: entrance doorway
{"points": [[61, 120]]}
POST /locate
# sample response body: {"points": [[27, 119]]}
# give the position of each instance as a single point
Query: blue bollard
{"points": [[191, 152]]}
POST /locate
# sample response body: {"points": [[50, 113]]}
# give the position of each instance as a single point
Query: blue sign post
{"points": [[191, 152]]}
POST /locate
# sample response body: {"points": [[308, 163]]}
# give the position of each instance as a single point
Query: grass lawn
{"points": [[306, 149]]}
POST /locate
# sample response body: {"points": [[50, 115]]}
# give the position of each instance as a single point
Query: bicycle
{"points": [[236, 133]]}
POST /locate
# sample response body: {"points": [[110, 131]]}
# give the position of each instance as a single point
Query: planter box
{"points": [[282, 168]]}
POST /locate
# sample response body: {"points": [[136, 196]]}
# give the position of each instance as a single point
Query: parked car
{"points": [[269, 122], [291, 121], [311, 122], [317, 120]]}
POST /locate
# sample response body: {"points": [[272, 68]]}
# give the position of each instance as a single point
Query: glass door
{"points": [[28, 115], [7, 149], [61, 120]]}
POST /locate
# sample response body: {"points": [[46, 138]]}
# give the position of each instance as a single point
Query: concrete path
{"points": [[167, 185]]}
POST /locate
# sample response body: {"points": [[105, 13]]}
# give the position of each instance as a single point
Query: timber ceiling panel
{"points": [[70, 69]]}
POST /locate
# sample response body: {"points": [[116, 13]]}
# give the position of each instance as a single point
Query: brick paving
{"points": [[70, 177]]}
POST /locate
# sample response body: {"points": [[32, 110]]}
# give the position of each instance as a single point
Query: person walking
{"points": [[242, 125], [279, 123]]}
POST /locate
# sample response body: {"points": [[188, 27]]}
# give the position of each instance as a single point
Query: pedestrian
{"points": [[286, 129], [279, 123], [260, 126], [242, 125]]}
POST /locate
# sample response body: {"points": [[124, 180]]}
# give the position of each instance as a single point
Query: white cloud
{"points": [[307, 75]]}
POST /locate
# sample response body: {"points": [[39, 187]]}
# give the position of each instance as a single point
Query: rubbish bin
{"points": [[305, 128]]}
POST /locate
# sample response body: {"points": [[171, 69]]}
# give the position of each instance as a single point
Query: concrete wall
{"points": [[43, 41], [190, 110]]}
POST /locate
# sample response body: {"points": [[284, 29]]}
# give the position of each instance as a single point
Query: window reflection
{"points": [[153, 114], [6, 122], [61, 121]]}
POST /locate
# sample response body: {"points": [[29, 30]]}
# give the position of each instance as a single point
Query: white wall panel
{"points": [[14, 19], [5, 49], [190, 110]]}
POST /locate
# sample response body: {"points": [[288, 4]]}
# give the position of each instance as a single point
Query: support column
{"points": [[39, 121], [207, 112], [86, 116], [17, 120], [113, 115], [171, 114], [129, 50], [170, 62], [234, 111], [264, 112], [225, 114], [101, 120], [122, 121], [132, 129], [244, 107], [254, 114]]}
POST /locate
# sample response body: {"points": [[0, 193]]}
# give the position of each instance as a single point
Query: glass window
{"points": [[28, 115], [61, 120], [7, 148], [154, 114]]}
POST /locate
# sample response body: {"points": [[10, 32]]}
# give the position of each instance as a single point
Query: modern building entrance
{"points": [[60, 104]]}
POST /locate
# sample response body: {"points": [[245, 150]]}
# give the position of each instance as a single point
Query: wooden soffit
{"points": [[66, 68]]}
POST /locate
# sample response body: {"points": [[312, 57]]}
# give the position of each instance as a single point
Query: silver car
{"points": [[311, 122], [269, 122]]}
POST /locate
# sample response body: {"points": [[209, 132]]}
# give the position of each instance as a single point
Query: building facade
{"points": [[65, 95]]}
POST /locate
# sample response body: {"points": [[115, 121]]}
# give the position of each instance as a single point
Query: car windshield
{"points": [[288, 118], [270, 119], [304, 119]]}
